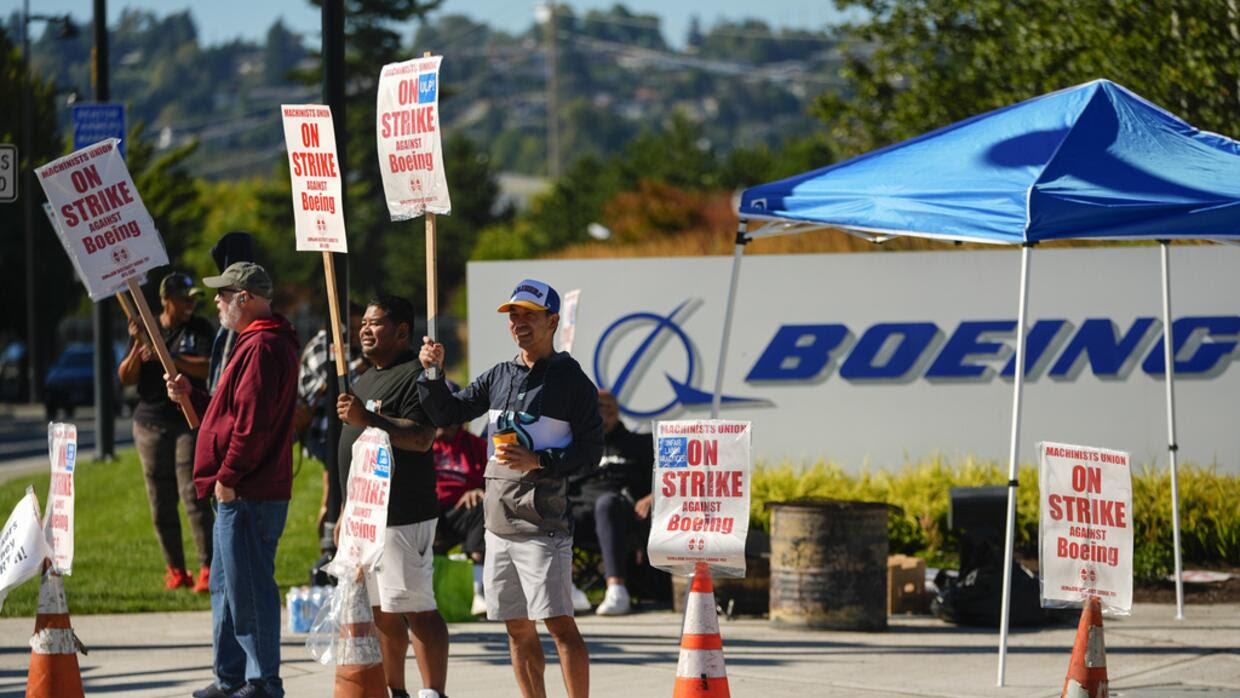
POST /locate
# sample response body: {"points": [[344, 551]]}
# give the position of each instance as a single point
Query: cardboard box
{"points": [[906, 585]]}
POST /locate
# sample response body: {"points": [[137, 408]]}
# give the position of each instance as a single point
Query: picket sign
{"points": [[411, 157], [108, 233], [364, 520], [126, 305], [568, 319], [701, 496], [1085, 522], [318, 204], [23, 547], [58, 522]]}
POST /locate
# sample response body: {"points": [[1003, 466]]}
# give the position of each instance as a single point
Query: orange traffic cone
{"points": [[359, 665], [700, 672], [1087, 670], [53, 647]]}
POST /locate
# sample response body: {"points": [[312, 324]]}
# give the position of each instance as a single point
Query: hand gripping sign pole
{"points": [[108, 232], [411, 157], [318, 214]]}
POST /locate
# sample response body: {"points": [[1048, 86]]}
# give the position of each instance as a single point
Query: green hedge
{"points": [[1209, 507]]}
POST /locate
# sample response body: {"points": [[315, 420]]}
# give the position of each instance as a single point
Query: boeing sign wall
{"points": [[886, 357]]}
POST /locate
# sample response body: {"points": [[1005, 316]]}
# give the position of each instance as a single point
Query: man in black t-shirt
{"points": [[386, 397], [164, 441]]}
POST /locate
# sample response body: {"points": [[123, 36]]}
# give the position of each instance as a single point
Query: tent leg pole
{"points": [[741, 240], [1172, 446], [1013, 451]]}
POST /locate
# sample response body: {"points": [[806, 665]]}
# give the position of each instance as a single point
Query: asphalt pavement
{"points": [[1148, 654], [23, 437]]}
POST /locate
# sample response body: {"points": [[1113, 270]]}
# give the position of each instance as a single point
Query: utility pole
{"points": [[546, 14], [105, 365], [334, 97], [34, 353]]}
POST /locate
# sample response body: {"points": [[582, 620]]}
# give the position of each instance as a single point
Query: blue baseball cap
{"points": [[533, 294]]}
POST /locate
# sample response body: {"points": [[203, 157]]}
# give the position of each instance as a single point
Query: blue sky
{"points": [[220, 20]]}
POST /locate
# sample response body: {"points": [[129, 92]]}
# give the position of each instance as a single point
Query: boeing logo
{"points": [[653, 333], [901, 352]]}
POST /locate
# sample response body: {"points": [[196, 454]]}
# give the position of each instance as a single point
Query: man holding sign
{"points": [[386, 397], [544, 425], [244, 457]]}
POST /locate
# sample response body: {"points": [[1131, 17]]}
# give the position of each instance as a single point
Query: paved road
{"points": [[1149, 655], [23, 437]]}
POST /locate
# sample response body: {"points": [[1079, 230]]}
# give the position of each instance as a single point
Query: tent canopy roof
{"points": [[1093, 161]]}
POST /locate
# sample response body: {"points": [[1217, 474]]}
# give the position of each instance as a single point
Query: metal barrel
{"points": [[829, 564]]}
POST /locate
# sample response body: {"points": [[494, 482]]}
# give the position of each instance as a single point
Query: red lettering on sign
{"points": [[310, 135], [1086, 479], [1089, 552], [703, 452], [700, 483], [314, 164], [1097, 512], [86, 179]]}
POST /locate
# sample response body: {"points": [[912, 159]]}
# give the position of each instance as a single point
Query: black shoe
{"points": [[212, 691], [250, 690], [398, 693]]}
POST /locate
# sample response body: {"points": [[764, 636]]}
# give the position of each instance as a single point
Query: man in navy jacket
{"points": [[544, 425]]}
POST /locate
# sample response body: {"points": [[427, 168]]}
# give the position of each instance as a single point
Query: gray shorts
{"points": [[528, 577], [405, 580]]}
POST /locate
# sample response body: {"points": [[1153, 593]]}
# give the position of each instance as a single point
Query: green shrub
{"points": [[1209, 506]]}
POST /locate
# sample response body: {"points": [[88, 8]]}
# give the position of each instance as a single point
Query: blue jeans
{"points": [[245, 602]]}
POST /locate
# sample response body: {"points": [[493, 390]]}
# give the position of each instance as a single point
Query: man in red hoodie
{"points": [[244, 459]]}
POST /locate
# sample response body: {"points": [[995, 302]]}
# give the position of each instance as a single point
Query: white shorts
{"points": [[528, 577], [405, 580]]}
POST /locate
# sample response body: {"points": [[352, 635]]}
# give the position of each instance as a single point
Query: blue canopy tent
{"points": [[1094, 161]]}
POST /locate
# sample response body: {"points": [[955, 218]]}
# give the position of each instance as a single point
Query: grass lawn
{"points": [[117, 564]]}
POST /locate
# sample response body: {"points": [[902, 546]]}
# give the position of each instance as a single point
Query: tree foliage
{"points": [[921, 64]]}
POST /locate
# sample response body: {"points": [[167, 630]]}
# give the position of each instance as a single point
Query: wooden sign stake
{"points": [[432, 282], [157, 339], [333, 307]]}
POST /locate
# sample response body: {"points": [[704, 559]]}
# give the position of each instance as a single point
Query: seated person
{"points": [[460, 461], [612, 499]]}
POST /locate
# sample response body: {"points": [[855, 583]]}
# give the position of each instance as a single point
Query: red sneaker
{"points": [[174, 579], [203, 585]]}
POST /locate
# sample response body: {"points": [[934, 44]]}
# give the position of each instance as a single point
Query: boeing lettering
{"points": [[891, 350]]}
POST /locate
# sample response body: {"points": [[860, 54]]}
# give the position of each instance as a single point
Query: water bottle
{"points": [[292, 602], [305, 617]]}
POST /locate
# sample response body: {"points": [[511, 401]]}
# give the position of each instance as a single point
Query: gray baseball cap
{"points": [[243, 276]]}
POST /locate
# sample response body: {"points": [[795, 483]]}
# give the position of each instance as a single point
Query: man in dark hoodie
{"points": [[544, 425], [244, 458]]}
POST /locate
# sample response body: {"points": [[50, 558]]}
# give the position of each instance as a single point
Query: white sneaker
{"points": [[429, 693], [616, 602], [580, 602], [479, 606]]}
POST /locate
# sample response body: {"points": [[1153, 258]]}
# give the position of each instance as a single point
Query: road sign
{"points": [[8, 173], [97, 122]]}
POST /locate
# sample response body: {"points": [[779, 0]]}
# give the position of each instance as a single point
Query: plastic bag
{"points": [[324, 631], [343, 631]]}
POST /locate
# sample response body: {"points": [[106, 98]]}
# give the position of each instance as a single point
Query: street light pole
{"points": [[34, 354], [334, 97], [105, 365]]}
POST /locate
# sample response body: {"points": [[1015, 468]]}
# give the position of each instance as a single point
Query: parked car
{"points": [[70, 381], [14, 386]]}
